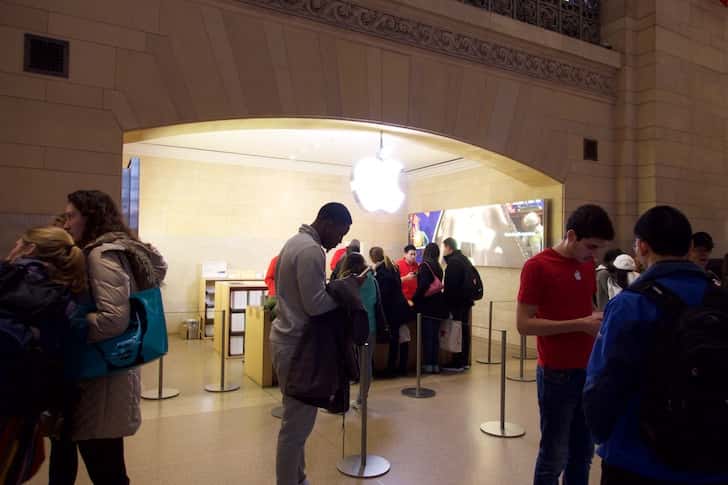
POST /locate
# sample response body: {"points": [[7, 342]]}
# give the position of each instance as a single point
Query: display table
{"points": [[258, 359]]}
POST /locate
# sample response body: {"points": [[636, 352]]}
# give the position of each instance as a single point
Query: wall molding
{"points": [[348, 15]]}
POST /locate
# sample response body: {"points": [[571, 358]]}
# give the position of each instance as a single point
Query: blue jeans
{"points": [[430, 341], [566, 443]]}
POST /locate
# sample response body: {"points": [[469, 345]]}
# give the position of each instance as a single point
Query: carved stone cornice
{"points": [[348, 15]]}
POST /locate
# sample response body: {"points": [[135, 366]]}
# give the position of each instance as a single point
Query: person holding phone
{"points": [[408, 268], [555, 303]]}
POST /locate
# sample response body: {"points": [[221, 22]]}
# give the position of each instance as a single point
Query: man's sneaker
{"points": [[355, 405], [466, 367], [453, 368]]}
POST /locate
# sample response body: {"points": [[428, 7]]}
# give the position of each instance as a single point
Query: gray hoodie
{"points": [[300, 286]]}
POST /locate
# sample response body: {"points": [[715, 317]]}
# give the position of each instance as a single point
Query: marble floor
{"points": [[204, 438]]}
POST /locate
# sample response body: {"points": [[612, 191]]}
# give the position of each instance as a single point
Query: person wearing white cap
{"points": [[622, 273]]}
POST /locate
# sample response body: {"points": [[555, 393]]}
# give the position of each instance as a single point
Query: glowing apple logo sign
{"points": [[375, 183]]}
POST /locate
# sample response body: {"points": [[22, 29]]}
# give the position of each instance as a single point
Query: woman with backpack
{"points": [[37, 283], [395, 309], [429, 300], [106, 408]]}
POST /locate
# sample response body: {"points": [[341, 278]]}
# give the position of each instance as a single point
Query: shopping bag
{"points": [[451, 335], [145, 340], [404, 334]]}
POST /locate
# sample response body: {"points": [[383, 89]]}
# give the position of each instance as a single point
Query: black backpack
{"points": [[684, 396], [472, 285], [30, 367]]}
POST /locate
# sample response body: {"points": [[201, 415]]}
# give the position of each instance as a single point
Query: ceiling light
{"points": [[375, 182]]}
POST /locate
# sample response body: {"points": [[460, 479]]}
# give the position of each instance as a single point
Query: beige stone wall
{"points": [[484, 186], [672, 121], [196, 211], [142, 63]]}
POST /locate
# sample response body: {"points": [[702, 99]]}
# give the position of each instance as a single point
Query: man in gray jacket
{"points": [[301, 288]]}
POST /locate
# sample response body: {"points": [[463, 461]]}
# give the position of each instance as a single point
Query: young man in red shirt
{"points": [[408, 268], [555, 305]]}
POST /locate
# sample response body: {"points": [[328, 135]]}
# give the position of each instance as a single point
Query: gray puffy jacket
{"points": [[108, 407]]}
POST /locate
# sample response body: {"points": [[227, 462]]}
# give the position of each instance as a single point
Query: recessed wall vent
{"points": [[591, 150], [44, 55]]}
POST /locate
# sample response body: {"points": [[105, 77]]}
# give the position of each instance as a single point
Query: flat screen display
{"points": [[503, 235]]}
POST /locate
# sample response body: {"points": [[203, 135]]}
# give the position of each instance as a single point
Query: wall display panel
{"points": [[500, 235]]}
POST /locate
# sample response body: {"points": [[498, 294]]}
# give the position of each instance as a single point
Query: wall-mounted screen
{"points": [[503, 235]]}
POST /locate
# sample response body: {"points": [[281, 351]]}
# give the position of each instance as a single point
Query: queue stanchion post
{"points": [[419, 392], [160, 392], [222, 387], [522, 376], [364, 465], [527, 356], [489, 359], [501, 428]]}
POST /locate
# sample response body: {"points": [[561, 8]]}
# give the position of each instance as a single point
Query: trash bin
{"points": [[189, 329]]}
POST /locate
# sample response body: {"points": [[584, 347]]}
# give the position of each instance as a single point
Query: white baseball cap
{"points": [[625, 262]]}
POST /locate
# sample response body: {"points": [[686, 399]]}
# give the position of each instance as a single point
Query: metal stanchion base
{"points": [[422, 394], [510, 430], [351, 466], [527, 377], [153, 394], [225, 388], [529, 356], [486, 361], [277, 412]]}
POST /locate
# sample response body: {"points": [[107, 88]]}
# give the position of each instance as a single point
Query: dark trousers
{"points": [[617, 476], [566, 443], [430, 341], [395, 349], [462, 359], [104, 459]]}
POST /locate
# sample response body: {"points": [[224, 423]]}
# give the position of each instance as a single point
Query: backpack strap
{"points": [[665, 299]]}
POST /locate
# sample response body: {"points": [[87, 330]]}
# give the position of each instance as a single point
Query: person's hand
{"points": [[410, 276], [410, 303], [593, 323]]}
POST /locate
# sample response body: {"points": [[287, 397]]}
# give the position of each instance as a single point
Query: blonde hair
{"points": [[66, 262]]}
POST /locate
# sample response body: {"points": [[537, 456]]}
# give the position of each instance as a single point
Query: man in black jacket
{"points": [[458, 302]]}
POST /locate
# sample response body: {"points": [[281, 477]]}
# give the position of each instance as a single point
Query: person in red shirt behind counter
{"points": [[408, 272], [270, 276]]}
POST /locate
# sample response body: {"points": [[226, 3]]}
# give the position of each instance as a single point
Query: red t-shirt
{"points": [[562, 288], [338, 254], [270, 276], [409, 287]]}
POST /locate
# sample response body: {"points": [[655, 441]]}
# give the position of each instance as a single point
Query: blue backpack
{"points": [[144, 341]]}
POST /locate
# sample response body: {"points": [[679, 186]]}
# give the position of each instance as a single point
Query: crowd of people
{"points": [[631, 353], [83, 266]]}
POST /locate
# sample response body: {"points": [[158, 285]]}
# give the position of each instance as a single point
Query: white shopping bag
{"points": [[404, 334], [451, 335]]}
